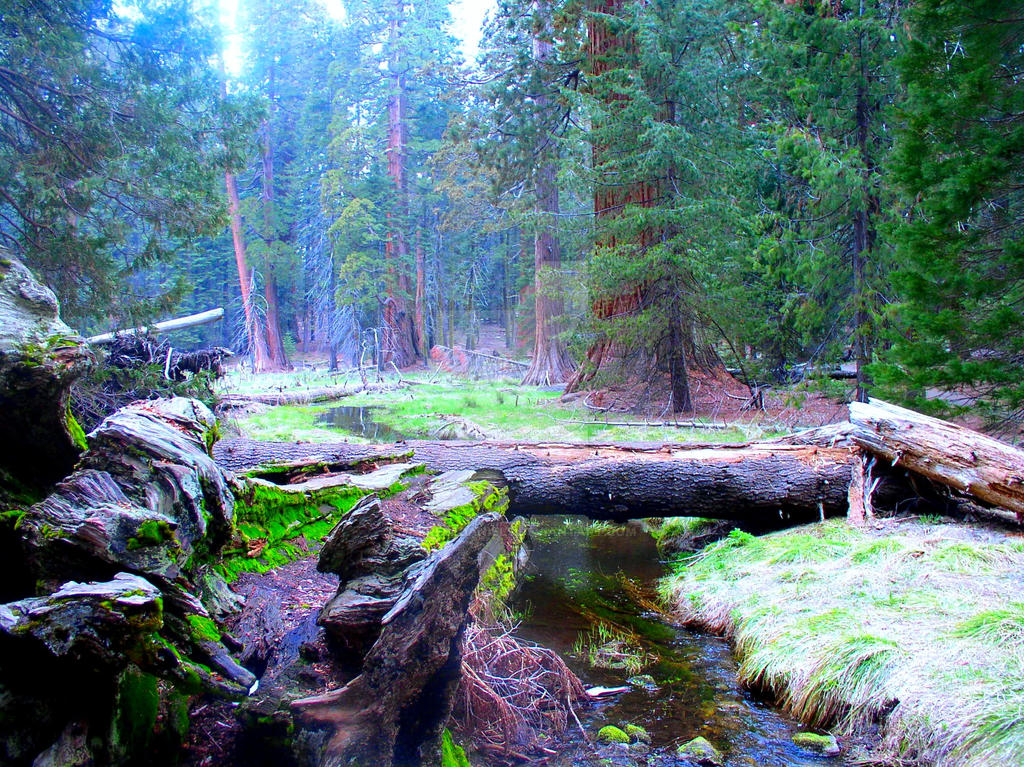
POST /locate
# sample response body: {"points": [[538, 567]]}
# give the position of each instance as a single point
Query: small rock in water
{"points": [[637, 733], [611, 734], [644, 681], [700, 751], [826, 745]]}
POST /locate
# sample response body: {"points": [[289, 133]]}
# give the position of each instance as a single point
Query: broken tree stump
{"points": [[401, 701], [972, 463], [40, 357]]}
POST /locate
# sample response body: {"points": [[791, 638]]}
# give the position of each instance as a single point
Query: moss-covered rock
{"points": [[700, 751], [826, 745], [637, 733], [612, 734]]}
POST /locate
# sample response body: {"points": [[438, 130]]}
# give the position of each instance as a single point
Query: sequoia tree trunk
{"points": [[401, 343]]}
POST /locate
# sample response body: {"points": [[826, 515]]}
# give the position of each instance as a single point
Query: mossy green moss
{"points": [[135, 714], [75, 430], [275, 526], [637, 733], [452, 754], [499, 581], [612, 734], [152, 532], [486, 498], [203, 629]]}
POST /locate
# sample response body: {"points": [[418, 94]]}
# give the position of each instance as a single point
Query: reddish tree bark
{"points": [[421, 294], [274, 336], [401, 343], [254, 329]]}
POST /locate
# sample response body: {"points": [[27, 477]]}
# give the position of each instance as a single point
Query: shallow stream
{"points": [[360, 422], [581, 576]]}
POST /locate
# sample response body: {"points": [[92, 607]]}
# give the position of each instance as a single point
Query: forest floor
{"points": [[434, 404]]}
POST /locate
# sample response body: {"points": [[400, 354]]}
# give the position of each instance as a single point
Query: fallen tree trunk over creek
{"points": [[952, 455], [744, 482]]}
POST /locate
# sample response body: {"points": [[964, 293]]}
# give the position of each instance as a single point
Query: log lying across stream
{"points": [[798, 477], [743, 482]]}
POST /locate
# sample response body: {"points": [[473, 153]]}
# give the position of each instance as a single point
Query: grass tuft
{"points": [[908, 630]]}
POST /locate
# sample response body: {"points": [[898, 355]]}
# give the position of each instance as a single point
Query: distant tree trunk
{"points": [[401, 345], [551, 362], [421, 296], [678, 374], [862, 237], [275, 339], [254, 330]]}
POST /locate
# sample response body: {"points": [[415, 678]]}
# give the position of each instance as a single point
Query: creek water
{"points": [[360, 422], [577, 579]]}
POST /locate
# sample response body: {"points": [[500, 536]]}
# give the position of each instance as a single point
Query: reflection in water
{"points": [[576, 579], [359, 421]]}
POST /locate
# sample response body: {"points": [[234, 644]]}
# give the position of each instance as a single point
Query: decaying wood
{"points": [[145, 499], [403, 698], [861, 508], [621, 481], [94, 623], [370, 555], [955, 456], [40, 357], [178, 323]]}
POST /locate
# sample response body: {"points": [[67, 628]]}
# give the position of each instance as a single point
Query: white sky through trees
{"points": [[467, 18]]}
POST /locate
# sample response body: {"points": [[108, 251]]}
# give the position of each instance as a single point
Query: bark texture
{"points": [[952, 455], [401, 701], [40, 357], [620, 481], [550, 363]]}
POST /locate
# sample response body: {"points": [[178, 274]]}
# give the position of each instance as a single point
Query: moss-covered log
{"points": [[754, 481]]}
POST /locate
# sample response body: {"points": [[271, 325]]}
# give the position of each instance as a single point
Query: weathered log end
{"points": [[964, 460], [40, 357], [400, 702]]}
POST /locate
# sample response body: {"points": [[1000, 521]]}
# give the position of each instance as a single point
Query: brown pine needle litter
{"points": [[917, 627], [513, 695]]}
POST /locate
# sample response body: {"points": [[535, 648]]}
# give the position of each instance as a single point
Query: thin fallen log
{"points": [[178, 323], [650, 424], [952, 455]]}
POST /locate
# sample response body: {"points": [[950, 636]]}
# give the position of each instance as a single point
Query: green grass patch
{"points": [[847, 628], [502, 409]]}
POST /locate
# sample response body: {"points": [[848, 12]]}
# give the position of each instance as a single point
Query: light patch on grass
{"points": [[912, 629]]}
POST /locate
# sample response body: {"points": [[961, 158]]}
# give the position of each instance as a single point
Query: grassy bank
{"points": [[918, 627], [446, 408]]}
